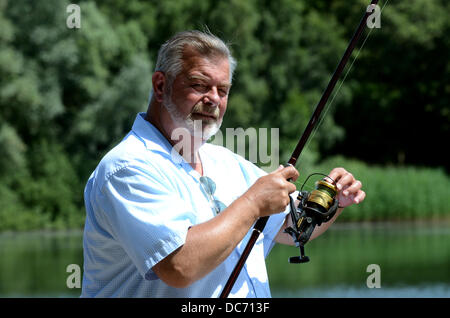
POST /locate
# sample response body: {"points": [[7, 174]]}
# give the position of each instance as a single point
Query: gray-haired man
{"points": [[165, 223]]}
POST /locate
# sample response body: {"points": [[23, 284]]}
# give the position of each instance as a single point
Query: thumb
{"points": [[278, 169]]}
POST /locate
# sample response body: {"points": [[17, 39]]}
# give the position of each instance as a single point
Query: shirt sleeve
{"points": [[145, 216]]}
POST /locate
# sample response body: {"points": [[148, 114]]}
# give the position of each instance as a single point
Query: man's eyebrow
{"points": [[197, 77], [194, 77]]}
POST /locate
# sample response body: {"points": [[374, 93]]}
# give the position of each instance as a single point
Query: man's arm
{"points": [[208, 244]]}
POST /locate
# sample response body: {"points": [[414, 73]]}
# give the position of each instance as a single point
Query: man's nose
{"points": [[212, 97]]}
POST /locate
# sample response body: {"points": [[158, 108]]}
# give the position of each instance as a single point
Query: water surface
{"points": [[414, 261], [413, 258]]}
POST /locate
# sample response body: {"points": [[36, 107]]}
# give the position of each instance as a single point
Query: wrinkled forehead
{"points": [[211, 65], [197, 66]]}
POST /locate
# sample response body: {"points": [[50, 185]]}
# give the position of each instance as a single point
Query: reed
{"points": [[392, 192]]}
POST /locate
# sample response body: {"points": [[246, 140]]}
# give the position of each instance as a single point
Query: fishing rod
{"points": [[315, 207]]}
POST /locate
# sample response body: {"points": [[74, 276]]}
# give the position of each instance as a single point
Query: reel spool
{"points": [[321, 199], [314, 208]]}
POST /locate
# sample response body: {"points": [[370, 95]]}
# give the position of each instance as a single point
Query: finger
{"points": [[359, 197], [345, 181], [281, 167], [291, 188], [337, 173], [290, 172], [353, 188]]}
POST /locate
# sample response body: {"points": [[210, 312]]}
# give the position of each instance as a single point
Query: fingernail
{"points": [[356, 201], [345, 192], [339, 186]]}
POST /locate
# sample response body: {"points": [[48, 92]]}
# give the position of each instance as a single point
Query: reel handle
{"points": [[301, 258]]}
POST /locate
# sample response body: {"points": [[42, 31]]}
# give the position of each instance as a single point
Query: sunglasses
{"points": [[208, 188]]}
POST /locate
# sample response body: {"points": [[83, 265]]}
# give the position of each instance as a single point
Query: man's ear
{"points": [[159, 84]]}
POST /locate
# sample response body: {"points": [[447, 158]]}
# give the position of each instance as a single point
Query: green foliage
{"points": [[12, 149], [68, 95], [401, 99], [43, 195]]}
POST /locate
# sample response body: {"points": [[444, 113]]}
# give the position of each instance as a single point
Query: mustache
{"points": [[202, 108]]}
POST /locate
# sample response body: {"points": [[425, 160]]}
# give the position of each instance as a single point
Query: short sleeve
{"points": [[145, 216]]}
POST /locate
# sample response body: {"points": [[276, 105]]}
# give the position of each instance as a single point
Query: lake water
{"points": [[413, 261]]}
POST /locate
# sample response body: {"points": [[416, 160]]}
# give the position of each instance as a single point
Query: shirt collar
{"points": [[150, 135], [155, 141]]}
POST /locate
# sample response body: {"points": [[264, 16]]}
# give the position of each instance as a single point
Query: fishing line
{"points": [[327, 108]]}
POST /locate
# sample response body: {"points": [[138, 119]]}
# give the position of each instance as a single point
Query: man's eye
{"points": [[199, 87], [223, 92]]}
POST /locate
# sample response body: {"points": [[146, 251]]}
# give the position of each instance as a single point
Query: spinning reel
{"points": [[314, 208]]}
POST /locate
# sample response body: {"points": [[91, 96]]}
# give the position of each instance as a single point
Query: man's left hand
{"points": [[349, 189]]}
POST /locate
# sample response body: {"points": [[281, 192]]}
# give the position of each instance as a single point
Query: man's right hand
{"points": [[270, 193]]}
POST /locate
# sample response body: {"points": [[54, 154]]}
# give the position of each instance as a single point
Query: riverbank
{"points": [[393, 193]]}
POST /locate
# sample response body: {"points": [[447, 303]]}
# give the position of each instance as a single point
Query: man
{"points": [[170, 221]]}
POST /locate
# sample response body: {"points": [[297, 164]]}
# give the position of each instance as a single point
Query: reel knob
{"points": [[298, 259]]}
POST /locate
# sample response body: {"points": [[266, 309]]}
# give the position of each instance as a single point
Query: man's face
{"points": [[199, 94]]}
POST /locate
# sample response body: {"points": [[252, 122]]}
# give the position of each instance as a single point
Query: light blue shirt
{"points": [[140, 202]]}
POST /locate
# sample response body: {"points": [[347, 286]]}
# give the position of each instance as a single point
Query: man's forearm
{"points": [[324, 226], [207, 245]]}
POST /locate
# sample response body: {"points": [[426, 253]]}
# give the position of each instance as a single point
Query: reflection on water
{"points": [[345, 291], [414, 261], [34, 264]]}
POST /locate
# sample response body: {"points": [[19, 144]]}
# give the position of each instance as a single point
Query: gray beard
{"points": [[193, 126]]}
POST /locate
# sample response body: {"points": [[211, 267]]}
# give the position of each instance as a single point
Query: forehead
{"points": [[215, 68]]}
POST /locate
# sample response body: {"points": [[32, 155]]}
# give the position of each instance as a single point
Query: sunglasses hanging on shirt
{"points": [[208, 187]]}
